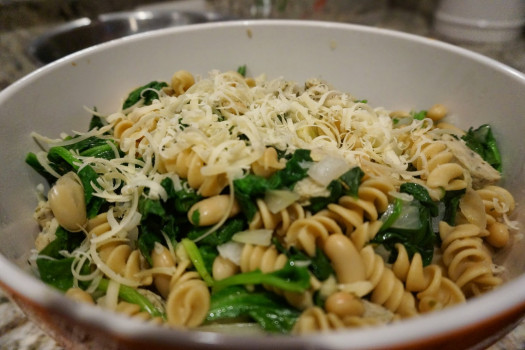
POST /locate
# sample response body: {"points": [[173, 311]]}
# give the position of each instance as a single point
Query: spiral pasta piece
{"points": [[308, 233], [188, 301], [468, 261], [268, 164], [438, 166], [125, 261], [498, 205], [372, 199], [134, 311], [131, 130], [430, 155], [280, 222], [360, 215], [472, 210], [120, 127], [315, 319], [434, 290], [364, 233], [188, 164], [388, 290], [98, 225], [268, 259], [188, 296], [181, 81], [497, 200]]}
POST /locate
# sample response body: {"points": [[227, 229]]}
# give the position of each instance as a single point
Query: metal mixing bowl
{"points": [[85, 32]]}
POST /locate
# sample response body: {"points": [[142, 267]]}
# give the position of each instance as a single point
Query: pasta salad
{"points": [[231, 201]]}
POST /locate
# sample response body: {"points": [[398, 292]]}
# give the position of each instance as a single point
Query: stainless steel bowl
{"points": [[85, 32]]}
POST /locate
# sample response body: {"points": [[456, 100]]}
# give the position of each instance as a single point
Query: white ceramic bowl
{"points": [[390, 69]]}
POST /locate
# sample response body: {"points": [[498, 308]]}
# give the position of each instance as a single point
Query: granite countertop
{"points": [[16, 331]]}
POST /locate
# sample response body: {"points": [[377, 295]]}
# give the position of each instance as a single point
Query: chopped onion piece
{"points": [[259, 237], [277, 200], [328, 169], [231, 250]]}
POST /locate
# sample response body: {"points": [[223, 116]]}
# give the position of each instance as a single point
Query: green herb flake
{"points": [[419, 115], [242, 70]]}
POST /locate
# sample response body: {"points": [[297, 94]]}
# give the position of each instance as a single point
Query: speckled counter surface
{"points": [[16, 331]]}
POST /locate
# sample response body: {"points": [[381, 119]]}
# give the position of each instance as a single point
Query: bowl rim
{"points": [[476, 310]]}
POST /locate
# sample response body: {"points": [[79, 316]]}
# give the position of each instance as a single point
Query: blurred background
{"points": [[36, 32]]}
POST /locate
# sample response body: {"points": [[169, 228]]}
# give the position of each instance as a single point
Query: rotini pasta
{"points": [[372, 199], [134, 311], [388, 290], [268, 164], [434, 291], [124, 261], [308, 233], [296, 207], [440, 168], [315, 319], [187, 164], [187, 295], [280, 221], [267, 259], [468, 261]]}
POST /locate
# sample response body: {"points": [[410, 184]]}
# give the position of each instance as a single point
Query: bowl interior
{"points": [[389, 69]]}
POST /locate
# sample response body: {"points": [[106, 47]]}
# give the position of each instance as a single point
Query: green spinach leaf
{"points": [[410, 224], [146, 92], [168, 216], [53, 267], [271, 312], [346, 185], [290, 278], [251, 186], [483, 142]]}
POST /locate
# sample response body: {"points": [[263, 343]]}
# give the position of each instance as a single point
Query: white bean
{"points": [[66, 199]]}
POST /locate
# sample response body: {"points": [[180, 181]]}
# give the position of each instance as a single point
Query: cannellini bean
{"points": [[346, 260], [344, 304], [66, 199], [223, 268], [437, 112], [211, 210]]}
